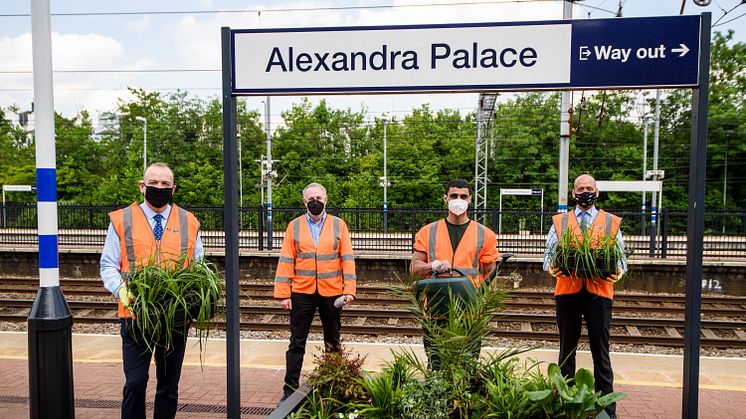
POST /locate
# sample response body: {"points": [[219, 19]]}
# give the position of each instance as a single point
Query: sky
{"points": [[100, 48]]}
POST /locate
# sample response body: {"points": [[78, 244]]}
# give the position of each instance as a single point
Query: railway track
{"points": [[393, 321], [624, 303]]}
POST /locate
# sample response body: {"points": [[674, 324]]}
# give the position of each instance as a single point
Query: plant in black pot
{"points": [[588, 256], [166, 297]]}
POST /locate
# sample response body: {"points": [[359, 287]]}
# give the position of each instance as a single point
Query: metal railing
{"points": [[373, 230]]}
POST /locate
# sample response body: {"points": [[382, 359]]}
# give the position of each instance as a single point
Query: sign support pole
{"points": [[50, 361], [230, 162], [564, 144], [695, 225]]}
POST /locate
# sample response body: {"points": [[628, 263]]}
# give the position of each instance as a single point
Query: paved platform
{"points": [[652, 382]]}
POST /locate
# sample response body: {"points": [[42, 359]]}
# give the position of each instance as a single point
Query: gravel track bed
{"points": [[113, 328]]}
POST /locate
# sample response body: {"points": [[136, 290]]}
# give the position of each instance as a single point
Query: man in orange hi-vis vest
{"points": [[140, 234], [585, 298], [316, 269], [455, 241]]}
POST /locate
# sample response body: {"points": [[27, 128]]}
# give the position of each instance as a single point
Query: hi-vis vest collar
{"points": [[472, 271], [128, 222]]}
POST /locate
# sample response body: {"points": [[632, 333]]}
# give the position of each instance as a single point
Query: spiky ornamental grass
{"points": [[587, 257], [167, 295], [494, 386]]}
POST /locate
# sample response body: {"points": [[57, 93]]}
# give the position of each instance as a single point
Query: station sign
{"points": [[19, 188], [557, 55], [526, 192]]}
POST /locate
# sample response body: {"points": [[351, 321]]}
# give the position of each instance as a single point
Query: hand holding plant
{"points": [[125, 297]]}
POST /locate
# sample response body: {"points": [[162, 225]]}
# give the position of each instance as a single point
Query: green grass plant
{"points": [[496, 385], [587, 257], [166, 296]]}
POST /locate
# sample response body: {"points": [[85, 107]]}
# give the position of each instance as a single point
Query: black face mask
{"points": [[315, 206], [158, 197], [586, 199]]}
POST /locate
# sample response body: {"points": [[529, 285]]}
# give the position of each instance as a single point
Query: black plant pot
{"points": [[603, 267]]}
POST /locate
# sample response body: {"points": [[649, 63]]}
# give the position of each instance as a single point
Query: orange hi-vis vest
{"points": [[604, 225], [139, 247], [477, 248], [304, 267]]}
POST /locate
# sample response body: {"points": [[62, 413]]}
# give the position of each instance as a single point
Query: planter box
{"points": [[291, 404], [602, 269]]}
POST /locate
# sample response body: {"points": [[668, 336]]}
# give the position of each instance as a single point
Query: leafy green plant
{"points": [[463, 386], [587, 257], [166, 296], [386, 390], [505, 385], [338, 375], [560, 400]]}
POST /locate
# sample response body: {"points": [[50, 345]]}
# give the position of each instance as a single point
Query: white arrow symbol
{"points": [[682, 51]]}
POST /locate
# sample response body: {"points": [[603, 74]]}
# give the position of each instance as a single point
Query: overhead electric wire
{"points": [[287, 9]]}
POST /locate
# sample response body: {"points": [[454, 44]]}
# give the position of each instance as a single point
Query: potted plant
{"points": [[495, 385], [167, 296], [587, 257]]}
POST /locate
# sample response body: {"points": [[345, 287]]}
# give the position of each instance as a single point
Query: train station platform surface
{"points": [[652, 382]]}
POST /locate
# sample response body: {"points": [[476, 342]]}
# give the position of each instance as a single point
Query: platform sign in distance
{"points": [[19, 188]]}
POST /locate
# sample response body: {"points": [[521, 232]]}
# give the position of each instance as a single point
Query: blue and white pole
{"points": [[50, 321]]}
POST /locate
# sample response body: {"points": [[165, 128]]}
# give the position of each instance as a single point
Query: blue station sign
{"points": [[564, 54]]}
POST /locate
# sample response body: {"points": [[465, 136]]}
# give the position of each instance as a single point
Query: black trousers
{"points": [[301, 315], [571, 310], [136, 357]]}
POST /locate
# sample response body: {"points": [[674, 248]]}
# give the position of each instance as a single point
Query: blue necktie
{"points": [[583, 221], [158, 229]]}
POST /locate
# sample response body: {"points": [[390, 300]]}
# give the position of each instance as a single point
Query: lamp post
{"points": [[144, 142]]}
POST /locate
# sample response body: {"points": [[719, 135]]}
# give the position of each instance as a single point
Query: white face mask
{"points": [[457, 206]]}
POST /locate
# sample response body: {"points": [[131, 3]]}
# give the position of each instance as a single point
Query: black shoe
{"points": [[282, 399]]}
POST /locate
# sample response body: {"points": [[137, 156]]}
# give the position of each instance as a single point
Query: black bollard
{"points": [[50, 356]]}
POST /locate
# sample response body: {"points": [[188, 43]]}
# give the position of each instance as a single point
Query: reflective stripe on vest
{"points": [[570, 284], [138, 245], [314, 267], [432, 246]]}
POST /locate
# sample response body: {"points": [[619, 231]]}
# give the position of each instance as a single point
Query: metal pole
{"points": [[696, 226], [51, 389], [5, 225], [385, 184], [500, 217], [230, 165], [725, 172], [144, 146], [541, 227], [144, 142], [240, 172], [564, 155], [654, 206], [269, 179], [644, 165]]}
